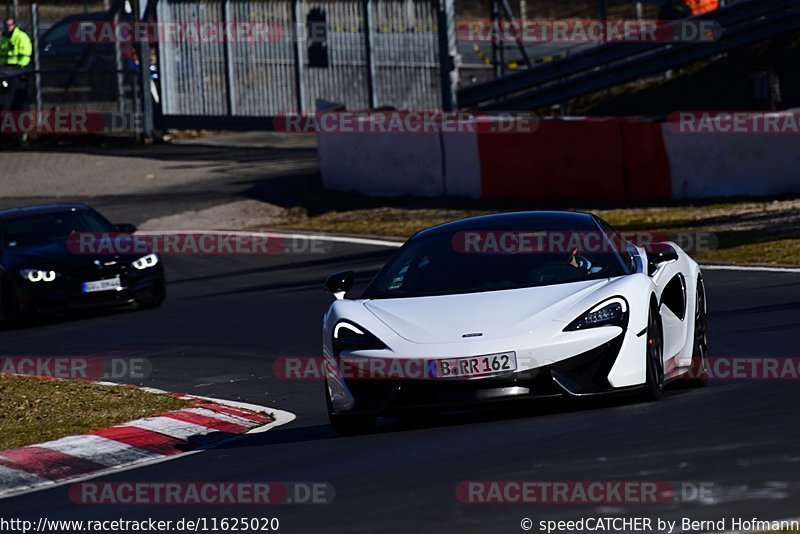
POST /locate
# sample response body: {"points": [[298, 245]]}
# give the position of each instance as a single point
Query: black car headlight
{"points": [[349, 336], [611, 312], [38, 275]]}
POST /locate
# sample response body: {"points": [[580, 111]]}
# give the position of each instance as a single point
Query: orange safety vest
{"points": [[699, 7]]}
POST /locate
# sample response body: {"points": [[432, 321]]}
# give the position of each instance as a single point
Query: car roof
{"points": [[559, 219], [12, 213], [92, 15]]}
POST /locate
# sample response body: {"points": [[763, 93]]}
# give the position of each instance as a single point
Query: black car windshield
{"points": [[463, 261], [41, 229]]}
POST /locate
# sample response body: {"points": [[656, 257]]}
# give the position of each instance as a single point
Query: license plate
{"points": [[477, 365], [112, 284]]}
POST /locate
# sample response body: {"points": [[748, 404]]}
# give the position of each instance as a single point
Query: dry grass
{"points": [[759, 232], [33, 410]]}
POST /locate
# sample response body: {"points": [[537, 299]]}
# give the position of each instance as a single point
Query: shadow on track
{"points": [[416, 421]]}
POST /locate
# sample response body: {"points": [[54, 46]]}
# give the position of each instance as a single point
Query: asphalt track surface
{"points": [[227, 319]]}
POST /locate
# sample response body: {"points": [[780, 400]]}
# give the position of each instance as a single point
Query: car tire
{"points": [[158, 300], [698, 373], [346, 423], [654, 356]]}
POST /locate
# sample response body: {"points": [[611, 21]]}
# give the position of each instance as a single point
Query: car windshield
{"points": [[447, 263], [41, 229]]}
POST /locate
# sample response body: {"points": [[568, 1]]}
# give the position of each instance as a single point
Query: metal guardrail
{"points": [[615, 63]]}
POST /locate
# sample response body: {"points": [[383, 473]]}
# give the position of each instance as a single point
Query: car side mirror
{"points": [[659, 253], [126, 228], [339, 284]]}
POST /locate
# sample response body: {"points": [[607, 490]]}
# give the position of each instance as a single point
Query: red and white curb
{"points": [[204, 425]]}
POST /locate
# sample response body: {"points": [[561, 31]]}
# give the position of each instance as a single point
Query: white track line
{"points": [[344, 239], [750, 268], [284, 235], [399, 243]]}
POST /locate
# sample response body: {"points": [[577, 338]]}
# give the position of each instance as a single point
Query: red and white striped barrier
{"points": [[611, 159]]}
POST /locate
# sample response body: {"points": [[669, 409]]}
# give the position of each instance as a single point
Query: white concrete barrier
{"points": [[382, 164], [723, 164], [462, 165]]}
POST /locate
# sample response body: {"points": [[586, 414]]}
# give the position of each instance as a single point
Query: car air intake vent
{"points": [[97, 273]]}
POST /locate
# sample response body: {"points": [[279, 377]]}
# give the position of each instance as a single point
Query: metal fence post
{"points": [[297, 16], [142, 15], [147, 98], [495, 25], [445, 21], [226, 48], [37, 76], [370, 54], [601, 16], [118, 63]]}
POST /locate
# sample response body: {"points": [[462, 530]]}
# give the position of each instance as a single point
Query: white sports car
{"points": [[513, 306]]}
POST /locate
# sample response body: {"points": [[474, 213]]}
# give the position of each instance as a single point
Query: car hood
{"points": [[58, 257], [494, 314]]}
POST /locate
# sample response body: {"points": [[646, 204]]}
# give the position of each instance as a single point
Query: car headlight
{"points": [[348, 336], [37, 275], [611, 312], [146, 262]]}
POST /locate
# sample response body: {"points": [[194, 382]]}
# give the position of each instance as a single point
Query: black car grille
{"points": [[99, 272]]}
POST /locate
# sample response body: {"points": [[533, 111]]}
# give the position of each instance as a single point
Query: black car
{"points": [[66, 61], [42, 270]]}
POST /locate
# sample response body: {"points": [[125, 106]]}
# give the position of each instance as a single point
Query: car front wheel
{"points": [[654, 356], [698, 374], [347, 423]]}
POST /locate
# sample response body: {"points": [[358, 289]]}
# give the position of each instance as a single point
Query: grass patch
{"points": [[780, 252], [756, 232], [33, 410]]}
